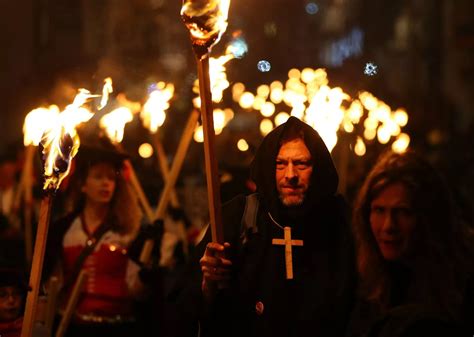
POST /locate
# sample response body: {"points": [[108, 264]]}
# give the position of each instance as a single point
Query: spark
{"points": [[370, 69], [311, 8], [238, 47], [264, 66]]}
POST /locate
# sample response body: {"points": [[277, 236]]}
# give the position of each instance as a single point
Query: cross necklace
{"points": [[288, 243]]}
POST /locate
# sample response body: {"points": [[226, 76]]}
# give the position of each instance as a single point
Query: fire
{"points": [[328, 110], [219, 83], [206, 21], [36, 123], [114, 122], [60, 141], [106, 90], [153, 113], [217, 74], [220, 118], [122, 100]]}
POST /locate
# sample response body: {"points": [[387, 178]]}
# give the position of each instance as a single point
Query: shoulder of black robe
{"points": [[54, 244]]}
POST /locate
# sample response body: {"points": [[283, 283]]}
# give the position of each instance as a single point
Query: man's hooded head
{"points": [[323, 178]]}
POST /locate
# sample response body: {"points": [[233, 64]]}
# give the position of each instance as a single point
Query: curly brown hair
{"points": [[124, 211], [440, 260]]}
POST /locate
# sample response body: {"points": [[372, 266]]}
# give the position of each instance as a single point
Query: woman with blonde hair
{"points": [[413, 254], [95, 237]]}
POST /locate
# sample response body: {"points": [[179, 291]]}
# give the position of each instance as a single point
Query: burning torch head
{"points": [[57, 166], [206, 21]]}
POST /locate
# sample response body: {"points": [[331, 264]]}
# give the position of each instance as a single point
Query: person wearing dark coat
{"points": [[245, 287], [413, 256]]}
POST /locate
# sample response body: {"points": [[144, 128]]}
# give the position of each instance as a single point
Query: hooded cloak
{"points": [[261, 301]]}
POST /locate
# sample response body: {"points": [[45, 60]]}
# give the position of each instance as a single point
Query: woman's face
{"points": [[393, 221], [99, 186]]}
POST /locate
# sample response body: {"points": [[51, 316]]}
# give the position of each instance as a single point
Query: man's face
{"points": [[293, 172], [393, 222]]}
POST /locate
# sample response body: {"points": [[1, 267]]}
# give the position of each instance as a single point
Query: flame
{"points": [[238, 47], [359, 147], [281, 118], [206, 21], [114, 122], [122, 100], [220, 118], [199, 134], [60, 141], [106, 90], [153, 114], [242, 145], [266, 126], [310, 98], [217, 76], [401, 144], [36, 123]]}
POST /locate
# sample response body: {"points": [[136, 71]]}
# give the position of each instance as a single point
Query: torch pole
{"points": [[165, 171], [139, 191], [171, 180], [37, 265], [71, 304], [212, 173]]}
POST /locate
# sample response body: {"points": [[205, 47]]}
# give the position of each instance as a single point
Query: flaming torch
{"points": [[207, 21], [153, 116], [113, 124], [60, 144], [36, 122]]}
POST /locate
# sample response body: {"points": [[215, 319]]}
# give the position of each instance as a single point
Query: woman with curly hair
{"points": [[412, 253], [95, 237]]}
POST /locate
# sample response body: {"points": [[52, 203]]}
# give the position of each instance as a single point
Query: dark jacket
{"points": [[260, 300]]}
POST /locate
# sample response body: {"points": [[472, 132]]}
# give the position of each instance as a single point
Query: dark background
{"points": [[424, 51]]}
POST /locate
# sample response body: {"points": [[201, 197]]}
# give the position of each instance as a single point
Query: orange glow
{"points": [[329, 110], [61, 142], [359, 147], [401, 144], [206, 21], [153, 114], [114, 122], [37, 122], [106, 90]]}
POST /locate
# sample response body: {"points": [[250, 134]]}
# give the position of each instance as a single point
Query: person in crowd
{"points": [[12, 302], [413, 256], [259, 284], [9, 221], [12, 252], [95, 238]]}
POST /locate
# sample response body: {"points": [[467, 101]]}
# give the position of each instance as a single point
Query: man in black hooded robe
{"points": [[245, 288]]}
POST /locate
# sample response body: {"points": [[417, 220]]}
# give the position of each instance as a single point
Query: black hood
{"points": [[324, 179]]}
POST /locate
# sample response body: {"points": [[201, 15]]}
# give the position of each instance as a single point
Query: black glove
{"points": [[147, 232], [153, 231], [149, 276]]}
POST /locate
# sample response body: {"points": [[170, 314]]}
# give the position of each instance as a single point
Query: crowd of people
{"points": [[296, 259]]}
